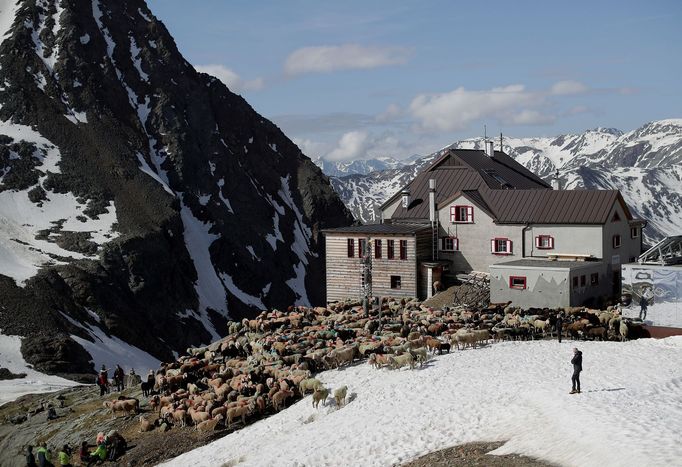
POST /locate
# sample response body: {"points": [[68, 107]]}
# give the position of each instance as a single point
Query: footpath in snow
{"points": [[629, 413], [34, 382]]}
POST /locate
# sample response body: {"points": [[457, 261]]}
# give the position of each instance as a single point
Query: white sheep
{"points": [[340, 396]]}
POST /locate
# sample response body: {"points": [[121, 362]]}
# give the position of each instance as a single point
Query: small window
{"points": [[362, 247], [594, 278], [615, 217], [575, 282], [501, 246], [403, 249], [377, 249], [462, 214], [449, 244], [583, 281], [390, 246], [616, 241], [634, 232], [517, 282], [395, 282], [351, 247], [544, 242]]}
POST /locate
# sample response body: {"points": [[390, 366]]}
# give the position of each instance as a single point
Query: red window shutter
{"points": [[537, 242], [351, 247], [470, 213], [509, 247], [492, 245], [551, 242], [377, 249]]}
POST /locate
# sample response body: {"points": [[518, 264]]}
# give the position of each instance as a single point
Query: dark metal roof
{"points": [[544, 263], [552, 206], [383, 229], [465, 170]]}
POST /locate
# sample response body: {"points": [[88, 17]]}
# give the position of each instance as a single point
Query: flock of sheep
{"points": [[267, 362]]}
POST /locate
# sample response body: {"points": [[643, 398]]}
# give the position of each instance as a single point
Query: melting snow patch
{"points": [[85, 38], [629, 412], [242, 296], [34, 382]]}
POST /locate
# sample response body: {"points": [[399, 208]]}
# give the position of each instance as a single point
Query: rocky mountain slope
{"points": [[645, 164], [141, 202], [361, 166]]}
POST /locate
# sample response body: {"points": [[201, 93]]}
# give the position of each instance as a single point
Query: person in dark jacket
{"points": [[30, 458], [119, 374], [643, 305], [559, 325], [577, 362]]}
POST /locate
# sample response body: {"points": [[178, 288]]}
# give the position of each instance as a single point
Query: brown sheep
{"points": [[239, 412], [340, 396], [320, 395], [209, 425], [127, 406], [145, 425], [279, 400]]}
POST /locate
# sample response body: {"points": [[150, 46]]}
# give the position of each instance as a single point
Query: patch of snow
{"points": [[111, 351], [249, 248], [209, 287], [8, 13], [628, 414], [152, 44], [273, 146], [144, 16], [85, 38], [34, 382], [144, 167], [251, 140], [204, 199], [241, 295], [136, 54], [76, 83], [225, 201]]}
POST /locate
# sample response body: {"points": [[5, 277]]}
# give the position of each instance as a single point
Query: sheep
{"points": [[126, 405], [623, 330], [308, 385], [320, 395], [279, 400], [397, 362], [340, 396], [145, 425], [434, 344], [378, 360], [180, 415], [209, 425], [541, 325], [239, 412], [421, 355], [198, 416], [598, 332]]}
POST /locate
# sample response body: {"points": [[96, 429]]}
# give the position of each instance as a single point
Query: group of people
{"points": [[108, 447], [103, 379]]}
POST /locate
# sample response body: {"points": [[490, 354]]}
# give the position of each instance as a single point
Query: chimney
{"points": [[489, 148], [406, 198], [556, 182], [432, 200]]}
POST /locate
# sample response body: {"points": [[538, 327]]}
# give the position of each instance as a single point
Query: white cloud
{"points": [[343, 57], [310, 148], [352, 145], [566, 88], [529, 117], [391, 113], [231, 79], [455, 110]]}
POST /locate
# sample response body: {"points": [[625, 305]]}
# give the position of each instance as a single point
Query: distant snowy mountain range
{"points": [[644, 164]]}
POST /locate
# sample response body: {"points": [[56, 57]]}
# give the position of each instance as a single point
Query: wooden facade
{"points": [[394, 277]]}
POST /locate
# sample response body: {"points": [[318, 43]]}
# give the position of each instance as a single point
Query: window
{"points": [[449, 244], [544, 242], [616, 241], [583, 281], [501, 246], [594, 278], [498, 178], [362, 247], [377, 249], [351, 247], [517, 282], [403, 249], [395, 282], [615, 217], [634, 232], [462, 214], [390, 245], [575, 282]]}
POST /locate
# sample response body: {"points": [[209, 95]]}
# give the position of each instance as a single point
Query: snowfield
{"points": [[34, 382], [629, 413]]}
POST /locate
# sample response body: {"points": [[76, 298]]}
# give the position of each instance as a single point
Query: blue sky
{"points": [[358, 79]]}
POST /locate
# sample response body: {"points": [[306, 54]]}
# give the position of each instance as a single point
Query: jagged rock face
{"points": [[137, 195], [644, 164]]}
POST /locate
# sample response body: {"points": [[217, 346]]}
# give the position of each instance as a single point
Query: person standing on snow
{"points": [[559, 326], [577, 362]]}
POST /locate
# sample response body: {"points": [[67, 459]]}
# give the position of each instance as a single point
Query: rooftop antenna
{"points": [[485, 133], [500, 141]]}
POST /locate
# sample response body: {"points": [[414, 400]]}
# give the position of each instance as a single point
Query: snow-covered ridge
{"points": [[628, 413], [642, 163]]}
